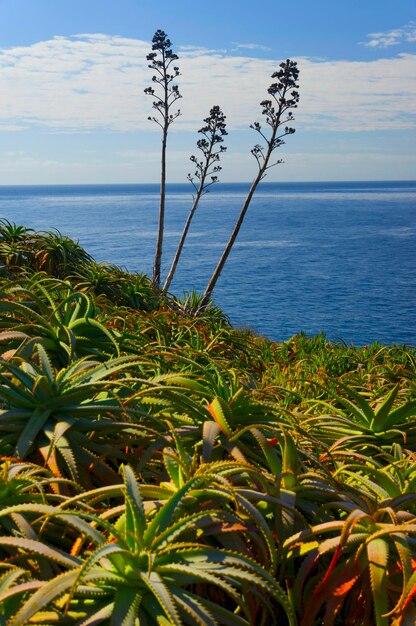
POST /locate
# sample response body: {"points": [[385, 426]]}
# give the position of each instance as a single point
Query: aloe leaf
{"points": [[383, 485], [182, 381], [42, 509], [16, 397], [45, 363], [87, 324], [100, 616], [227, 617], [37, 547], [43, 391], [70, 342], [38, 299], [93, 496], [194, 575], [83, 527], [66, 449], [48, 592], [172, 466], [398, 415], [95, 465], [163, 518], [183, 455], [159, 589], [31, 430], [195, 609], [378, 554], [17, 590], [332, 592], [363, 412], [12, 334], [135, 515], [261, 523], [221, 413], [393, 529], [184, 523], [409, 594], [406, 555], [106, 369], [23, 525], [76, 305], [173, 395], [273, 461], [313, 531], [7, 579], [103, 552], [233, 566], [18, 373], [383, 409], [55, 432], [126, 604], [39, 333], [98, 574], [210, 430], [75, 368], [290, 455], [18, 307]]}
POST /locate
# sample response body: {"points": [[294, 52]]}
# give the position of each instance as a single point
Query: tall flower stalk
{"points": [[161, 61], [205, 172], [284, 96]]}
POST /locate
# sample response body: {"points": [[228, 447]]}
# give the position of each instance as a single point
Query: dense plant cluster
{"points": [[159, 467]]}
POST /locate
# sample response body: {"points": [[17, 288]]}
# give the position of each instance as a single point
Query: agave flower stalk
{"points": [[284, 96], [161, 60], [206, 170]]}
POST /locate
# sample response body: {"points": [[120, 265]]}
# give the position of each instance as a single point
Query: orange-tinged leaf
{"points": [[348, 579], [220, 410], [378, 555], [345, 587], [334, 561]]}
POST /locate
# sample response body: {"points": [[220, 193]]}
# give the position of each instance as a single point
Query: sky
{"points": [[73, 74]]}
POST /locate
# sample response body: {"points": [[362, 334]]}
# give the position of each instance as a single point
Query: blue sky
{"points": [[72, 74]]}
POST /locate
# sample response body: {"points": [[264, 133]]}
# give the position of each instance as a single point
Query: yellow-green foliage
{"points": [[160, 467]]}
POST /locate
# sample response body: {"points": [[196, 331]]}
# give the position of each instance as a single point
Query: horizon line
{"points": [[280, 182]]}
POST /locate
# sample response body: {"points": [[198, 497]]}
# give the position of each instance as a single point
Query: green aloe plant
{"points": [[364, 567], [66, 418], [20, 483], [58, 255], [33, 558], [9, 231], [11, 579], [16, 244], [192, 304], [384, 483], [50, 312], [356, 420], [157, 569], [227, 485], [213, 406]]}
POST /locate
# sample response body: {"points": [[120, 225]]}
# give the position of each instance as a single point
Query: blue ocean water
{"points": [[338, 257]]}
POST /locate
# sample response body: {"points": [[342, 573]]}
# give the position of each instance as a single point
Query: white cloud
{"points": [[190, 50], [95, 81], [11, 127], [251, 46], [406, 34]]}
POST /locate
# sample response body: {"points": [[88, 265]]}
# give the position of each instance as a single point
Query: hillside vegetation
{"points": [[159, 467]]}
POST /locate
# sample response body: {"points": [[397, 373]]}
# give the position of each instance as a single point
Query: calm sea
{"points": [[338, 257]]}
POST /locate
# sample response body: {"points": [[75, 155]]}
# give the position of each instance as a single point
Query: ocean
{"points": [[312, 257]]}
